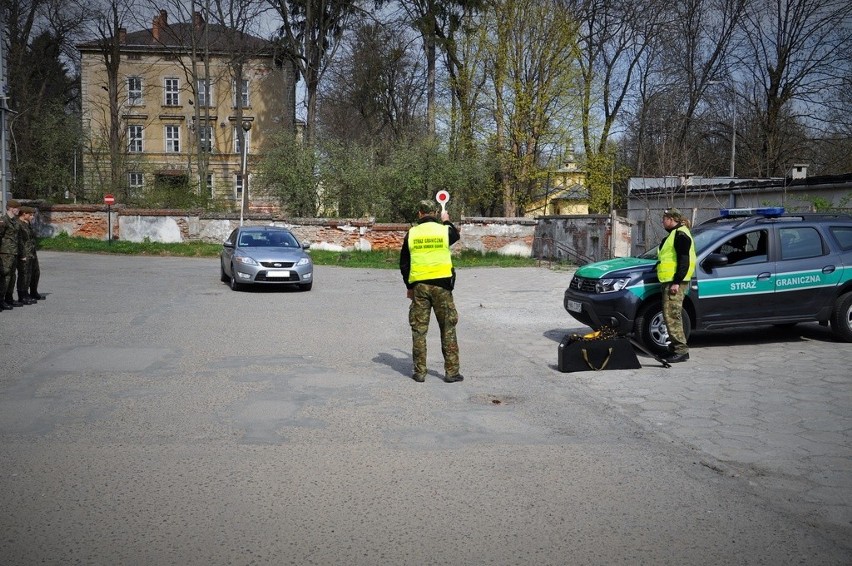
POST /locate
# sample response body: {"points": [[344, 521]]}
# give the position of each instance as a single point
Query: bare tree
{"points": [[614, 39], [309, 35], [437, 22], [110, 26], [796, 52], [374, 90], [531, 66]]}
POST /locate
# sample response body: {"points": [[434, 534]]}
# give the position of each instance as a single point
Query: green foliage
{"points": [[354, 181], [171, 192], [603, 176], [45, 171], [66, 243], [288, 171]]}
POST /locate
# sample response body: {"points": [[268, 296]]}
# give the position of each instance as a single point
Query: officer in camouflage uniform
{"points": [[676, 264], [9, 251], [427, 270], [35, 272], [25, 261]]}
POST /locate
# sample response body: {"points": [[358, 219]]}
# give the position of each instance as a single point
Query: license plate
{"points": [[277, 274], [574, 306]]}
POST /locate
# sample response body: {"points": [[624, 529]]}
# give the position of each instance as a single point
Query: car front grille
{"points": [[261, 276], [279, 264], [583, 284]]}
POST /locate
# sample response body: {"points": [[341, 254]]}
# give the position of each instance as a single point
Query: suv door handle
{"points": [[828, 269], [764, 276]]}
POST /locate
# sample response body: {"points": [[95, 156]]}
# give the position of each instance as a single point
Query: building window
{"points": [[210, 185], [171, 88], [244, 93], [173, 139], [134, 139], [205, 138], [239, 148], [204, 93], [238, 186], [134, 90], [135, 181]]}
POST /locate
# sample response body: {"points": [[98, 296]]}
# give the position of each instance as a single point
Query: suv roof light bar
{"points": [[766, 212]]}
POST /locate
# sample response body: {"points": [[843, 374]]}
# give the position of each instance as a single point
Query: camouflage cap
{"points": [[426, 206], [673, 213]]}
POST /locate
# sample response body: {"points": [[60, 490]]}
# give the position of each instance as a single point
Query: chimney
{"points": [[122, 36], [799, 171], [159, 23]]}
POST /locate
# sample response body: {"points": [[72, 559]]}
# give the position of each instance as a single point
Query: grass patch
{"points": [[381, 259]]}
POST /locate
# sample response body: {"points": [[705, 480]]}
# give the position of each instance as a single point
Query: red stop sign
{"points": [[109, 199]]}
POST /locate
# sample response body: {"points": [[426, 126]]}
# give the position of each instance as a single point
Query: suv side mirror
{"points": [[716, 260]]}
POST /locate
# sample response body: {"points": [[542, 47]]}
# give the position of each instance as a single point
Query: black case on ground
{"points": [[596, 355]]}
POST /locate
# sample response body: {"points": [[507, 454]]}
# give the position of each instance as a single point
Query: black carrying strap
{"points": [[589, 363]]}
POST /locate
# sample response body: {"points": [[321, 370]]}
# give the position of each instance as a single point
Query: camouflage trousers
{"points": [[24, 276], [672, 306], [427, 298], [8, 266]]}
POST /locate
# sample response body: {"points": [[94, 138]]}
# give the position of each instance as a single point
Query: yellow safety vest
{"points": [[667, 257], [429, 244]]}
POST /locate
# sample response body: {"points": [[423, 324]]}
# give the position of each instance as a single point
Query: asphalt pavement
{"points": [[150, 415]]}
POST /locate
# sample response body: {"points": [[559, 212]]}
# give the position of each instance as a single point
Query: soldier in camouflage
{"points": [[427, 270], [25, 261], [9, 252], [675, 266]]}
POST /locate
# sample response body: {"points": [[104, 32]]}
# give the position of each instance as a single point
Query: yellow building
{"points": [[176, 122], [564, 193]]}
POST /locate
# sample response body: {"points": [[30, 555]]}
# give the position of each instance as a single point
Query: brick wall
{"points": [[510, 236]]}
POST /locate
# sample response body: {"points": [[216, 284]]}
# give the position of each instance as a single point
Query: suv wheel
{"points": [[650, 327], [841, 317]]}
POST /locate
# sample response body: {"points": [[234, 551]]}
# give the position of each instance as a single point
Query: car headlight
{"points": [[303, 261], [244, 260], [611, 285]]}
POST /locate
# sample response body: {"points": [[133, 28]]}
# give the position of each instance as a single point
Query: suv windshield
{"points": [[703, 238]]}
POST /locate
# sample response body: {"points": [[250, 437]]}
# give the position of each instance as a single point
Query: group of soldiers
{"points": [[18, 259]]}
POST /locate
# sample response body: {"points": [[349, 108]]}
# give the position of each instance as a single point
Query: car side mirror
{"points": [[306, 245], [228, 244], [716, 260]]}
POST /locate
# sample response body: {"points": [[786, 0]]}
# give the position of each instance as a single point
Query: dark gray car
{"points": [[268, 255]]}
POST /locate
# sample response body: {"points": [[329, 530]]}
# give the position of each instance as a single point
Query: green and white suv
{"points": [[754, 267]]}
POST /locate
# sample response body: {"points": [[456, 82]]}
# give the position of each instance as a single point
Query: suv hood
{"points": [[610, 267]]}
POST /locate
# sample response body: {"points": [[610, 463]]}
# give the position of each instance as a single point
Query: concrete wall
{"points": [[701, 203], [509, 236], [582, 238]]}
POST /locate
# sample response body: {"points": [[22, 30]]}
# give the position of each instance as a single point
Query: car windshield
{"points": [[267, 239], [703, 239]]}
